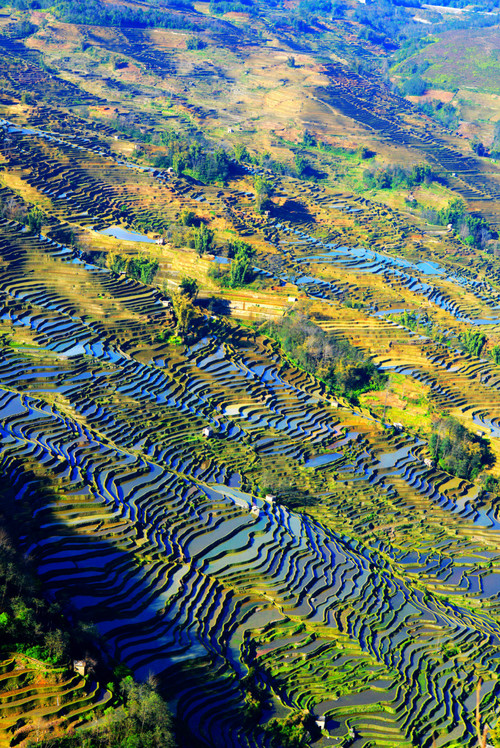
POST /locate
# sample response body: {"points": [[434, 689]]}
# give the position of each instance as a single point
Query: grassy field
{"points": [[465, 59]]}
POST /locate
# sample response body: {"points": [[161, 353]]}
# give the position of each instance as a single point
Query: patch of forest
{"points": [[341, 366]]}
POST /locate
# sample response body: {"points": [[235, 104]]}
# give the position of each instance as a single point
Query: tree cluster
{"points": [[193, 159], [138, 268], [495, 146], [472, 230], [219, 7], [142, 721], [97, 13], [240, 271], [394, 177], [457, 450], [446, 114], [194, 43], [290, 732], [473, 341], [342, 367], [202, 239], [28, 623]]}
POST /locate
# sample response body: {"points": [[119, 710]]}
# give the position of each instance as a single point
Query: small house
{"points": [[428, 462], [207, 432], [255, 510], [398, 426], [270, 498], [321, 721], [80, 667]]}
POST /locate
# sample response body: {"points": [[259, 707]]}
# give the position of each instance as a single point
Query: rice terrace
{"points": [[249, 374]]}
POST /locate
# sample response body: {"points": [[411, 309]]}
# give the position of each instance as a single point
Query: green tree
{"points": [[241, 271], [178, 163], [184, 312], [308, 139], [202, 240], [35, 219], [188, 218], [495, 146], [473, 341], [240, 153], [189, 287], [301, 164], [290, 732], [415, 86], [263, 190], [495, 736], [116, 263], [57, 646], [141, 269]]}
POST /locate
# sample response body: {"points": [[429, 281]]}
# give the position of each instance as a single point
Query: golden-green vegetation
{"points": [[249, 374]]}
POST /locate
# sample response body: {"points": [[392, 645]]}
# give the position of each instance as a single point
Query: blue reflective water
{"points": [[128, 236]]}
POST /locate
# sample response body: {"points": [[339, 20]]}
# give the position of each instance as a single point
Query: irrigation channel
{"points": [[158, 537]]}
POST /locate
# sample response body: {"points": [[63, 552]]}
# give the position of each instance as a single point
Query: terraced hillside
{"points": [[270, 549], [155, 542], [36, 701]]}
